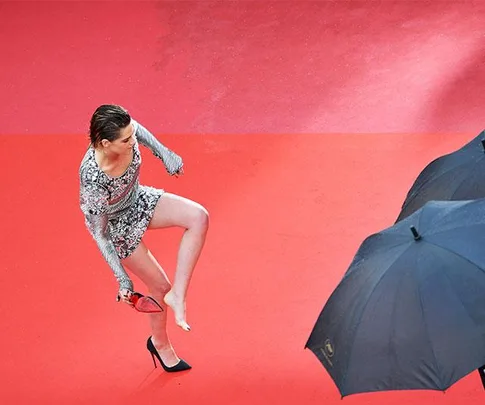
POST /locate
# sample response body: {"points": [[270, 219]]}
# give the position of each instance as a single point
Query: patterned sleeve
{"points": [[94, 203], [173, 162]]}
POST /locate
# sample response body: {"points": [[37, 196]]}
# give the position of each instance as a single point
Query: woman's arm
{"points": [[173, 162], [98, 225], [94, 203]]}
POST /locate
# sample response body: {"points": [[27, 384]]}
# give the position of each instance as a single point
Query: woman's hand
{"points": [[124, 295], [179, 172]]}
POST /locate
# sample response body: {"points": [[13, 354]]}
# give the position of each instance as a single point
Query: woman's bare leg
{"points": [[173, 210], [142, 263]]}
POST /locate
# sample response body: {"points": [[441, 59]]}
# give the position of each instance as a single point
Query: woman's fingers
{"points": [[125, 295]]}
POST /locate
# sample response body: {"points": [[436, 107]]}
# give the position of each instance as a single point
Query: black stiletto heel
{"points": [[153, 358], [180, 366]]}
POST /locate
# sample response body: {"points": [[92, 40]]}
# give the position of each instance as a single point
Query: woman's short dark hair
{"points": [[106, 123]]}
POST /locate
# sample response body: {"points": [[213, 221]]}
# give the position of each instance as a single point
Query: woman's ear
{"points": [[105, 143]]}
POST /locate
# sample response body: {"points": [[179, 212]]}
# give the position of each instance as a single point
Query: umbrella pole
{"points": [[481, 372]]}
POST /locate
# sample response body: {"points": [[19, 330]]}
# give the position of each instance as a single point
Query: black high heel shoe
{"points": [[180, 366]]}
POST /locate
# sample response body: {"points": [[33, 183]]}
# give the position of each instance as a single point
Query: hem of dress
{"points": [[130, 251]]}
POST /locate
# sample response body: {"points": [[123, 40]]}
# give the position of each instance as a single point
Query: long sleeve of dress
{"points": [[94, 202], [173, 162]]}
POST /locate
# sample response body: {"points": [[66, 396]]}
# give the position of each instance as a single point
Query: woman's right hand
{"points": [[124, 295]]}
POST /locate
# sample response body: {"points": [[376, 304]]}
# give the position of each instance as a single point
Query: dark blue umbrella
{"points": [[456, 176], [409, 312]]}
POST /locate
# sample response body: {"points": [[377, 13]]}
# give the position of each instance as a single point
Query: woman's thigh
{"points": [[173, 210], [144, 265]]}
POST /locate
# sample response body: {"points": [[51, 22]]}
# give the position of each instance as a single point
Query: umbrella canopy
{"points": [[409, 312], [457, 176]]}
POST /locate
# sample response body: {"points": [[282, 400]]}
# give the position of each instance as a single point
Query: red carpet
{"points": [[302, 126], [245, 66], [288, 213]]}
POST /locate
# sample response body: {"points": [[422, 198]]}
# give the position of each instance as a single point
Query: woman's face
{"points": [[123, 144]]}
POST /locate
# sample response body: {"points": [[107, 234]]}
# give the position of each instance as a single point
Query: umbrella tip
{"points": [[416, 235]]}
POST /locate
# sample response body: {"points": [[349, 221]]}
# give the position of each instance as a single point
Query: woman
{"points": [[118, 211]]}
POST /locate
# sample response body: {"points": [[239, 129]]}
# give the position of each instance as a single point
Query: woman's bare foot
{"points": [[178, 307]]}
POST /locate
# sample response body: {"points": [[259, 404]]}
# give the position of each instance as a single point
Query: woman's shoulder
{"points": [[89, 172], [94, 194]]}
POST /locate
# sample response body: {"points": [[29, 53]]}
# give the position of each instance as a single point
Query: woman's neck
{"points": [[105, 159]]}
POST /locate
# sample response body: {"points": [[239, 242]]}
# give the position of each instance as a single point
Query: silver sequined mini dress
{"points": [[118, 210], [128, 205]]}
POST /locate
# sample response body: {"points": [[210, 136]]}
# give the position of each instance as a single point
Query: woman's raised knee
{"points": [[200, 218]]}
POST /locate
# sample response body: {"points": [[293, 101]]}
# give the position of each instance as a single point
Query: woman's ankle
{"points": [[175, 295], [161, 344]]}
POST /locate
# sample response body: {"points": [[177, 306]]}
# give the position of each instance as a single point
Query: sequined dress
{"points": [[118, 210]]}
